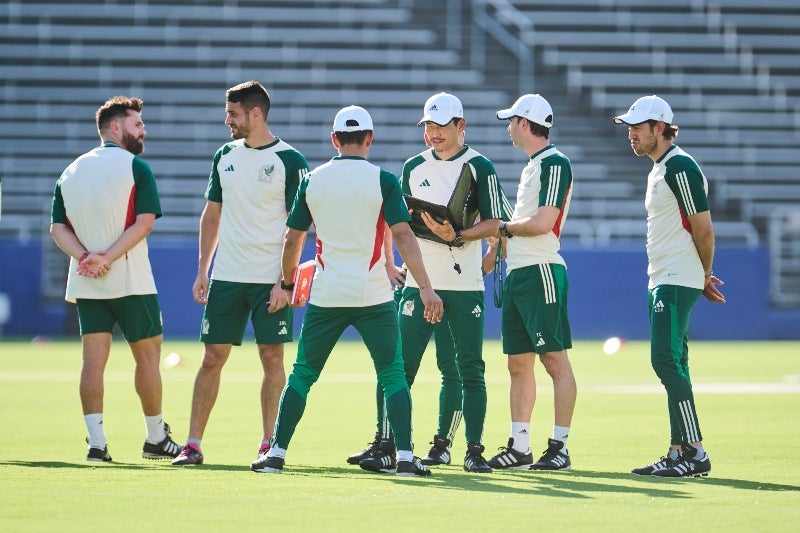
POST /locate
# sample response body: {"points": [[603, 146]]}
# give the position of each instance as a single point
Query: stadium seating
{"points": [[728, 67]]}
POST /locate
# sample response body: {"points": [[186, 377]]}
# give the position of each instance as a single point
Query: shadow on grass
{"points": [[89, 465], [573, 484], [125, 466], [744, 484], [560, 485]]}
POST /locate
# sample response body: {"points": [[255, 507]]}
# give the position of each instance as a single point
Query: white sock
{"points": [[155, 428], [94, 424], [700, 453], [521, 433], [673, 454], [277, 452], [405, 455], [561, 433]]}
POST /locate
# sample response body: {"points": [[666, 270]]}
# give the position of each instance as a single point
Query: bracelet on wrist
{"points": [[287, 287], [710, 273]]}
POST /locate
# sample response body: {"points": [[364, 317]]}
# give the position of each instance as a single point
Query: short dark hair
{"points": [[115, 107], [537, 129], [670, 130], [351, 137], [249, 94]]}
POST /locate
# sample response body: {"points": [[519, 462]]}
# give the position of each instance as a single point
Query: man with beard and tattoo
{"points": [[252, 186], [104, 206]]}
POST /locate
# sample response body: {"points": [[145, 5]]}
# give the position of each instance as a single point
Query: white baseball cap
{"points": [[644, 109], [531, 106], [441, 109], [352, 118]]}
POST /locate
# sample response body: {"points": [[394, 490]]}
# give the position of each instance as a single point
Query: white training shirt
{"points": [[430, 178], [545, 181], [256, 187], [99, 196], [676, 189], [350, 201]]}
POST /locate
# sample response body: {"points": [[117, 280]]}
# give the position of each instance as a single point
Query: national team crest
{"points": [[408, 308], [266, 173]]}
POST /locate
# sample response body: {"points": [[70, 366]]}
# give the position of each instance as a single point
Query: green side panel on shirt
{"points": [[555, 167], [394, 207], [296, 168], [146, 200], [492, 202], [408, 167], [58, 213], [685, 179], [300, 215], [214, 189]]}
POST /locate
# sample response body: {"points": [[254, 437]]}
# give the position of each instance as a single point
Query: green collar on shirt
{"points": [[551, 145], [459, 154], [671, 147]]}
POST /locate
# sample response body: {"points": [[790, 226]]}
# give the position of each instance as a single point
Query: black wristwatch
{"points": [[289, 287], [504, 231], [458, 242]]}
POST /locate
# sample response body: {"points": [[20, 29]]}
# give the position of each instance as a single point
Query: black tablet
{"points": [[439, 212]]}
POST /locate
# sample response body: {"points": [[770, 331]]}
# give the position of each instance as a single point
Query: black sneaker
{"points": [[383, 460], [413, 468], [99, 455], [664, 462], [268, 465], [687, 465], [553, 458], [366, 452], [474, 461], [189, 456], [439, 454], [511, 458], [166, 449]]}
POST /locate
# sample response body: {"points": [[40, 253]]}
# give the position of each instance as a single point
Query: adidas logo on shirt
{"points": [[425, 183], [658, 307], [229, 168], [477, 311]]}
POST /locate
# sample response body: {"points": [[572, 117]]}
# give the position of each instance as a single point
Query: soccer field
{"points": [[747, 393]]}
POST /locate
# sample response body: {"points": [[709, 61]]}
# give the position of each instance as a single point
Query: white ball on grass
{"points": [[172, 360], [612, 345]]}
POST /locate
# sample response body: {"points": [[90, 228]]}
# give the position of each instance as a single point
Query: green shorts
{"points": [[228, 308], [535, 310], [138, 316]]}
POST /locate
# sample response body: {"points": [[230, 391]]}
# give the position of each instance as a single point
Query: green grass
{"points": [[620, 422]]}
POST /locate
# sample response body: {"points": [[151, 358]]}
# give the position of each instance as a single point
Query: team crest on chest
{"points": [[265, 173]]}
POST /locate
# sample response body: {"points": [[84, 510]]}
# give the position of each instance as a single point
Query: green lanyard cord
{"points": [[498, 275]]}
